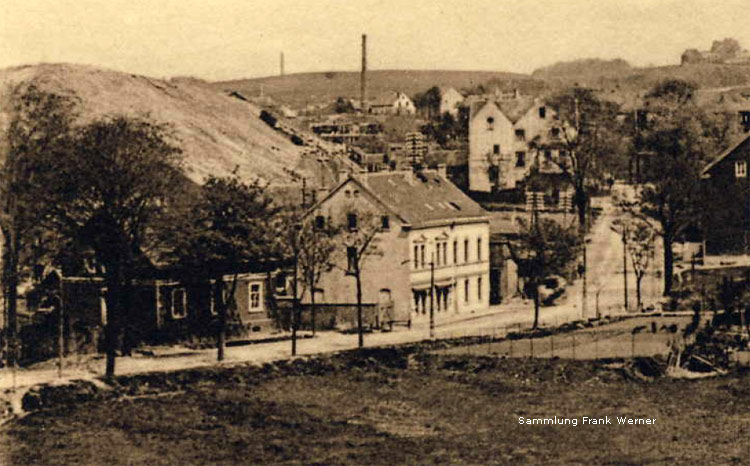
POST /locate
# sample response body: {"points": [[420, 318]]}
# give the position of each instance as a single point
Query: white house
{"points": [[393, 102], [430, 232], [450, 101], [499, 137]]}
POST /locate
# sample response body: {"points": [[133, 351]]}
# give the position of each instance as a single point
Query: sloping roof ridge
{"points": [[724, 155], [365, 188]]}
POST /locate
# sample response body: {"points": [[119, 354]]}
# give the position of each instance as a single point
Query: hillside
{"points": [[299, 89], [617, 75], [583, 69], [216, 133]]}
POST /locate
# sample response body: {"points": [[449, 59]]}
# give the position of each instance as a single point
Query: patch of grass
{"points": [[445, 409]]}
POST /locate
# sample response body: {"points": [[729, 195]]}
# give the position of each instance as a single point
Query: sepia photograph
{"points": [[374, 232]]}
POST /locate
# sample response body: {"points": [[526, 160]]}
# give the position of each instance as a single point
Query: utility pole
{"points": [[432, 296], [582, 228], [625, 263], [295, 303], [60, 329]]}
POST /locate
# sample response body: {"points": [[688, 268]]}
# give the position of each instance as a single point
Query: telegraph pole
{"points": [[625, 263], [432, 296]]}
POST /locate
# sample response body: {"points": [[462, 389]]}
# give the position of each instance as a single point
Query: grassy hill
{"points": [[618, 74], [216, 133], [302, 88]]}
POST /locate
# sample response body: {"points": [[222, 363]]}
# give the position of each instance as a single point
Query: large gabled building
{"points": [[500, 133], [424, 220]]}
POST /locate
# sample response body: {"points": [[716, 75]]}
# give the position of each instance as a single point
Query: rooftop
{"points": [[422, 198]]}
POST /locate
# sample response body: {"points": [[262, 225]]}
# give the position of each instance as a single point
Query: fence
{"points": [[585, 344]]}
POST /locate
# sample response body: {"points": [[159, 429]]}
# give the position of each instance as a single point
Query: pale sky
{"points": [[225, 39]]}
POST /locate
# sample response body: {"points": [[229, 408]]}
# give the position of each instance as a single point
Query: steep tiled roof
{"points": [[513, 109], [707, 169], [421, 199]]}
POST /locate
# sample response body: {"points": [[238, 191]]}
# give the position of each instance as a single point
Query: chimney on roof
{"points": [[442, 170], [343, 175], [363, 76]]}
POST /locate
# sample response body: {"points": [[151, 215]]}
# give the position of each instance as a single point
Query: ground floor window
{"points": [[179, 303], [256, 302]]}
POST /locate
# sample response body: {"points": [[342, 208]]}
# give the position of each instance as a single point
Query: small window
{"points": [[455, 252], [348, 193], [179, 303], [466, 291], [740, 169], [255, 297], [479, 249], [352, 221], [520, 159], [351, 259], [416, 257], [466, 250], [479, 289], [496, 149], [385, 222], [555, 132], [521, 134], [320, 222], [542, 112], [421, 255], [490, 123]]}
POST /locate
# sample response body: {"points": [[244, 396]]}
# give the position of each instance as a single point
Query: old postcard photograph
{"points": [[374, 232]]}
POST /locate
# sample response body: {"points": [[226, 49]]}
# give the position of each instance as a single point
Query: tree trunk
{"points": [[112, 329], [638, 303], [360, 331], [537, 305], [10, 280], [221, 307], [668, 265], [312, 307]]}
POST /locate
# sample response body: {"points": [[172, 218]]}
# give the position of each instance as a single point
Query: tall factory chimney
{"points": [[281, 64], [363, 77]]}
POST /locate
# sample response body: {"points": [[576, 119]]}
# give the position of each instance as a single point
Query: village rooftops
{"points": [[706, 172], [421, 199], [513, 109]]}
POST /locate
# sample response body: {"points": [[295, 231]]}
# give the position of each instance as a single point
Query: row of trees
{"points": [[114, 186]]}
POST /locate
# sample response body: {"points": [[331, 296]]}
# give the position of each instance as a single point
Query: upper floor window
{"points": [[496, 149], [555, 132], [479, 249], [416, 257], [351, 220], [521, 134], [385, 222], [479, 288], [421, 254], [320, 222], [466, 250], [351, 259], [542, 112], [740, 169], [455, 252], [490, 123]]}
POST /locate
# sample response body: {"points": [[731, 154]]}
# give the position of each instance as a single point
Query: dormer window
{"points": [[740, 169], [490, 123]]}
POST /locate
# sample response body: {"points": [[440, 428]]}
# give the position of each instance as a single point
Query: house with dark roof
{"points": [[500, 133], [726, 225], [430, 233]]}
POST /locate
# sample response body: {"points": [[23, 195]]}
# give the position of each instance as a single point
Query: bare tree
{"points": [[359, 237]]}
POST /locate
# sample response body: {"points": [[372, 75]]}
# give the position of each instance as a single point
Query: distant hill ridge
{"points": [[303, 88]]}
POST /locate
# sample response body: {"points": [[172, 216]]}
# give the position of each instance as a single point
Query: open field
{"points": [[393, 407], [616, 340]]}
